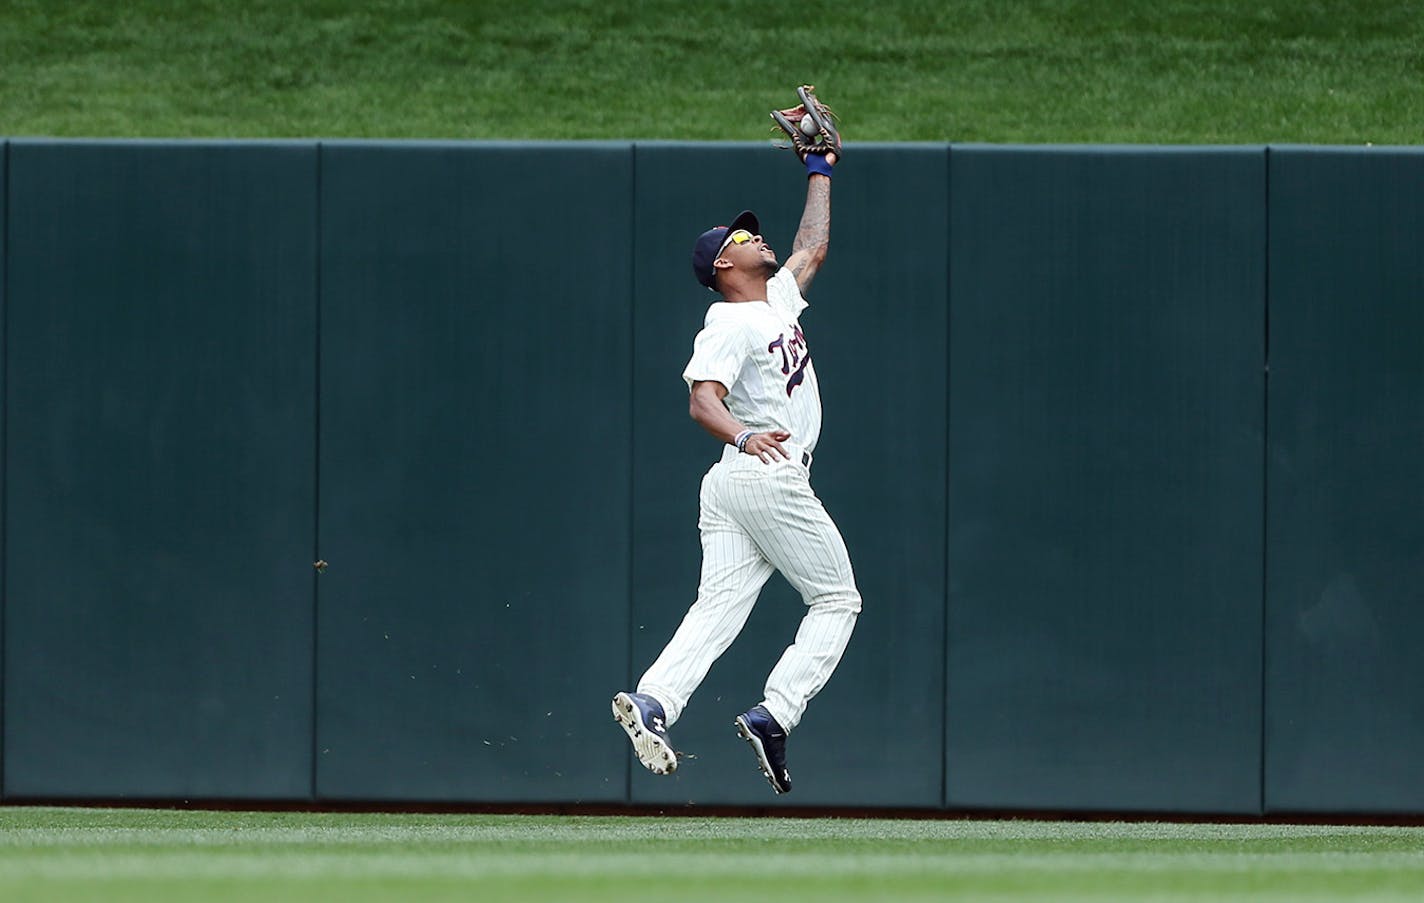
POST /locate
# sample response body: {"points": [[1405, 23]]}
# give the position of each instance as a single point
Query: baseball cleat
{"points": [[642, 717], [768, 741]]}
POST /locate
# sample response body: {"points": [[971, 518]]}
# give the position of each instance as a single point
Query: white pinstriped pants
{"points": [[756, 518]]}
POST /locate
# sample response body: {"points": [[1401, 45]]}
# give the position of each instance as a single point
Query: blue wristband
{"points": [[817, 165], [741, 441]]}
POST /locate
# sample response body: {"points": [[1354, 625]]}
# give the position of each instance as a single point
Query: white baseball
{"points": [[808, 126]]}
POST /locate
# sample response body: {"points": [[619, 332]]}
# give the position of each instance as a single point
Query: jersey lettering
{"points": [[780, 343], [799, 376], [793, 355]]}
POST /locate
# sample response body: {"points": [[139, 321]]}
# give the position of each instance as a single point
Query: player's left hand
{"points": [[767, 446], [810, 126]]}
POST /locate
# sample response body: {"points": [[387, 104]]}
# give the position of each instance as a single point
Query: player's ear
{"points": [[722, 263]]}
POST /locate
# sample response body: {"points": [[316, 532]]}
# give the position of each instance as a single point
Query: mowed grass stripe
{"points": [[660, 864], [73, 854], [161, 825]]}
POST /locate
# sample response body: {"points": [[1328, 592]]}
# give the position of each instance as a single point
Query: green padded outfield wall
{"points": [[876, 330], [453, 372], [160, 465], [475, 427], [1105, 500], [1345, 600]]}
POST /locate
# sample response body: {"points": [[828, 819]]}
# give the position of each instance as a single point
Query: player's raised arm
{"points": [[816, 140], [813, 238]]}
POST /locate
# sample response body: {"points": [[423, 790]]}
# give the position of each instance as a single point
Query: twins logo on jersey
{"points": [[794, 357]]}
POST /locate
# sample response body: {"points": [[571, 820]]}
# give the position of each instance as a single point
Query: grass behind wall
{"points": [[1036, 71]]}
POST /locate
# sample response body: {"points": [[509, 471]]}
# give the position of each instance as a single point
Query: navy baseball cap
{"points": [[709, 246]]}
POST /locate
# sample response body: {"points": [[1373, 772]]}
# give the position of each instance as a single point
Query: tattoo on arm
{"points": [[814, 235], [816, 221]]}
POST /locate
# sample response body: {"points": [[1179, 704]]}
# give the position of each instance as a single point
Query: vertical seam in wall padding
{"points": [[948, 474], [632, 414], [1265, 456], [316, 473], [5, 435]]}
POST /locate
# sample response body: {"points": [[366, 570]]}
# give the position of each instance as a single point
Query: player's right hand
{"points": [[767, 446]]}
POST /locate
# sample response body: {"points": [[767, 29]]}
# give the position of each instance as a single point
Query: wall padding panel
{"points": [[1105, 459], [876, 330], [1345, 604], [160, 479], [475, 417]]}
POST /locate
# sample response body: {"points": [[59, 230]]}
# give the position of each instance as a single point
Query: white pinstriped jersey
{"points": [[757, 350]]}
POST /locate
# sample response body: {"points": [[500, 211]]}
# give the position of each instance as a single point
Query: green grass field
{"points": [[60, 855], [1149, 71]]}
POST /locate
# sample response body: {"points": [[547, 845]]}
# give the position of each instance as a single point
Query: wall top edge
{"points": [[44, 141], [1115, 148], [604, 144]]}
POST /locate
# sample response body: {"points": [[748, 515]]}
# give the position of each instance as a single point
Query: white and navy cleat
{"points": [[768, 741], [642, 717]]}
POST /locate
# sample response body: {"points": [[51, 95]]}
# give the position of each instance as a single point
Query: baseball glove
{"points": [[810, 125]]}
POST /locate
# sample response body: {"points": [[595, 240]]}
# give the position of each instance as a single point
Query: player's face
{"points": [[750, 252]]}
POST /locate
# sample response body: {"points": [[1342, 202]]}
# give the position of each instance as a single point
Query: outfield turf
{"points": [[60, 855]]}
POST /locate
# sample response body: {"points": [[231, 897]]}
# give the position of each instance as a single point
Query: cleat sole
{"points": [[650, 749]]}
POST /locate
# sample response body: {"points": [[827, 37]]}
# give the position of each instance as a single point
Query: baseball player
{"points": [[753, 386]]}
